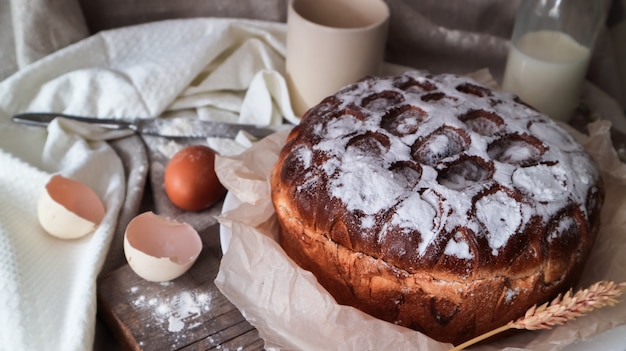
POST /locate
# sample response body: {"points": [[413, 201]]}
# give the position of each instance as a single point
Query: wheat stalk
{"points": [[559, 311]]}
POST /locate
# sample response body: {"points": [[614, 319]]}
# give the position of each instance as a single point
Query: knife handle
{"points": [[42, 119]]}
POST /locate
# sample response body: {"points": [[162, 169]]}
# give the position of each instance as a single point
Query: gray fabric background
{"points": [[437, 35]]}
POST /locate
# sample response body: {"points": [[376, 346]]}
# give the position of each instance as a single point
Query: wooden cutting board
{"points": [[188, 313]]}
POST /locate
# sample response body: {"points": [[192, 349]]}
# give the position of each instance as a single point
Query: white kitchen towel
{"points": [[221, 69], [139, 71], [47, 285]]}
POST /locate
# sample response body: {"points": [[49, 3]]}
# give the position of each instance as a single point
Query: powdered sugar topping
{"points": [[478, 160], [354, 186]]}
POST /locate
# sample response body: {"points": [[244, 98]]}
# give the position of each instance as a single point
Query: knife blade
{"points": [[179, 127]]}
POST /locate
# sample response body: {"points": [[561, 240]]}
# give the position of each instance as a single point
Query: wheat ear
{"points": [[559, 311]]}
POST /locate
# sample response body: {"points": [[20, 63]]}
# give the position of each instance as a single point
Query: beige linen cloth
{"points": [[208, 68]]}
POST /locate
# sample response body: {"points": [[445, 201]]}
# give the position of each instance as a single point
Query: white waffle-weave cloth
{"points": [[219, 69]]}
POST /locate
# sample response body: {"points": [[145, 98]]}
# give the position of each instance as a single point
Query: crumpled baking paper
{"points": [[293, 312]]}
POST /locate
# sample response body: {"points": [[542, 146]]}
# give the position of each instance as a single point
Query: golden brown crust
{"points": [[450, 296]]}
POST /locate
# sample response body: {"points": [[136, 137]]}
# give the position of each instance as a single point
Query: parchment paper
{"points": [[292, 311]]}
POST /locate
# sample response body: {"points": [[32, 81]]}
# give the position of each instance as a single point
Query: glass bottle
{"points": [[551, 47]]}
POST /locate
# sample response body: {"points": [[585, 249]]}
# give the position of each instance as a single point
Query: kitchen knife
{"points": [[179, 127]]}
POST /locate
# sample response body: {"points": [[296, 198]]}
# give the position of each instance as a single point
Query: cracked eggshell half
{"points": [[69, 209], [160, 249]]}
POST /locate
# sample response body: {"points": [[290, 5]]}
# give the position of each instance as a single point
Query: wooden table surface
{"points": [[188, 313]]}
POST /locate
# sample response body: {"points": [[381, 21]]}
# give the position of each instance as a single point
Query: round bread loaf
{"points": [[436, 203]]}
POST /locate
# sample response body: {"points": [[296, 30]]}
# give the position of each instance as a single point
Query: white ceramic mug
{"points": [[330, 44]]}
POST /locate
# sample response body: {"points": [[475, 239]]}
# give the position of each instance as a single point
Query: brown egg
{"points": [[190, 179]]}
